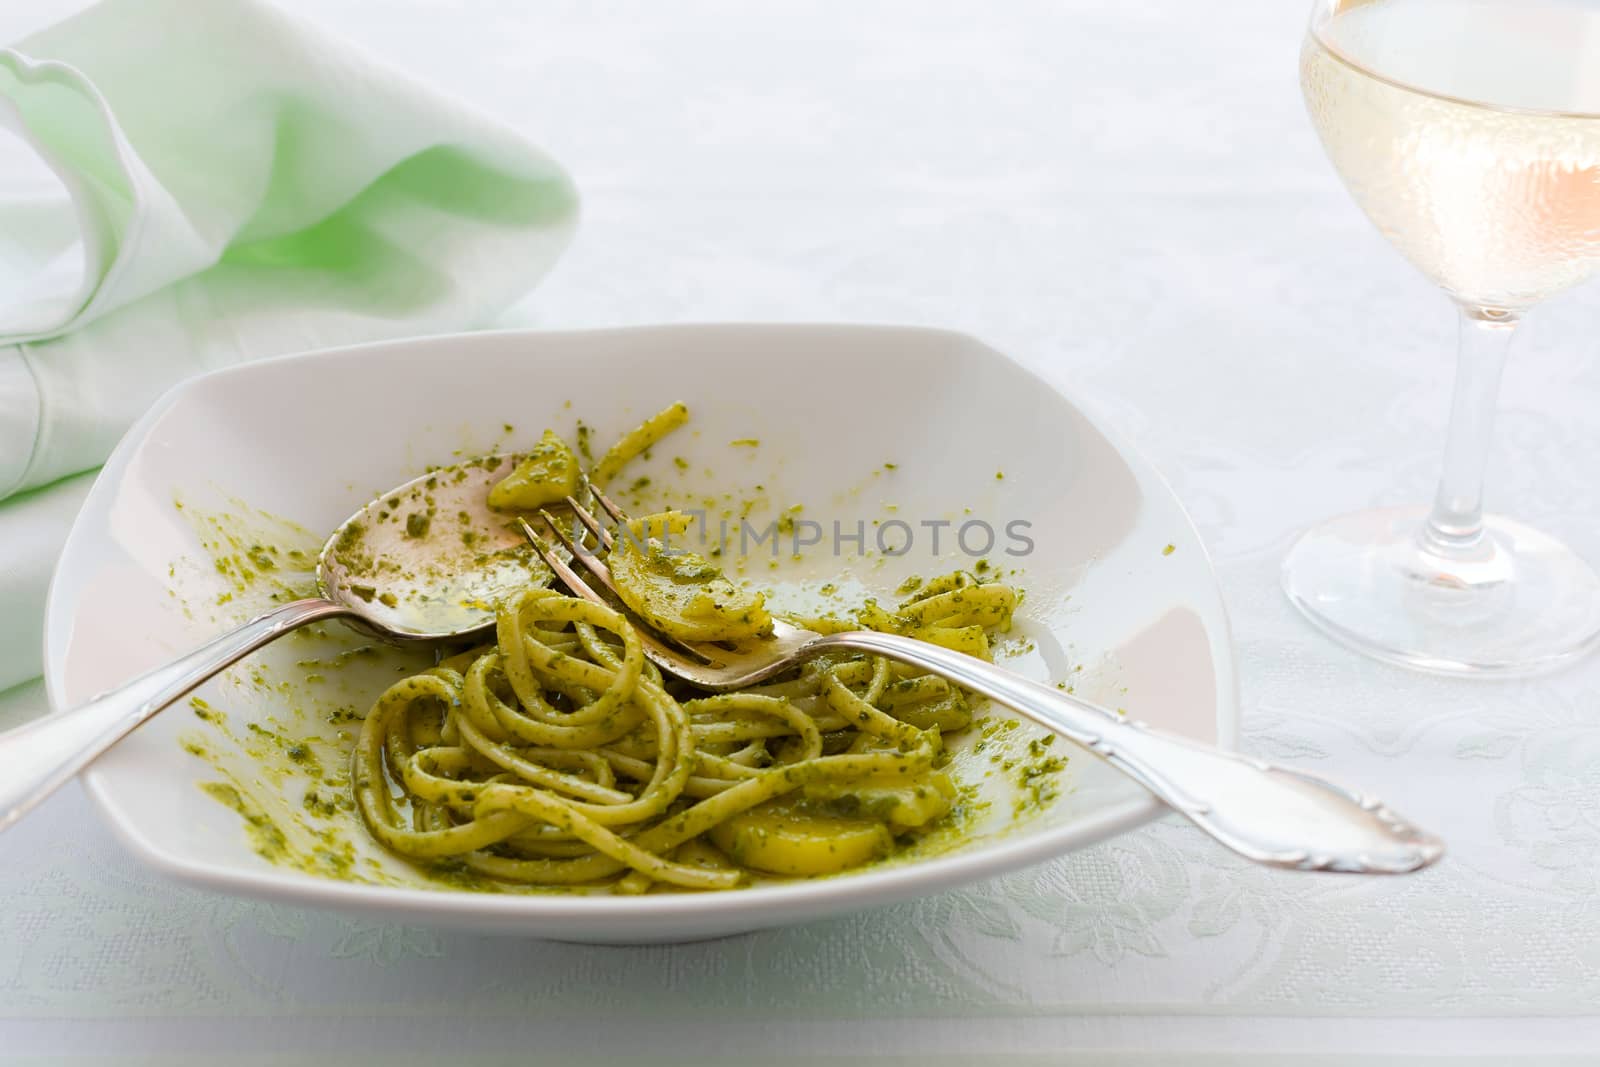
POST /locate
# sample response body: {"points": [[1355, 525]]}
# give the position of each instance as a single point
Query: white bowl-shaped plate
{"points": [[1110, 607]]}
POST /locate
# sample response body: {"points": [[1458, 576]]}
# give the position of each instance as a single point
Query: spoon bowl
{"points": [[429, 559]]}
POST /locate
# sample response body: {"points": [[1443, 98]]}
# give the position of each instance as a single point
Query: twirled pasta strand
{"points": [[558, 757]]}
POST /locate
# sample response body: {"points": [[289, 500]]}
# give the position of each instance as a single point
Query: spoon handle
{"points": [[38, 758], [1273, 815]]}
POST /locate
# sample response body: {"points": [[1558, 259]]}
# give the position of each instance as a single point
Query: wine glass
{"points": [[1469, 132]]}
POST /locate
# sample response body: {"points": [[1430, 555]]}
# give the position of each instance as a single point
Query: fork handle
{"points": [[1272, 815]]}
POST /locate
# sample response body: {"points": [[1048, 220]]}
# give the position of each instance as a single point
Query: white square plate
{"points": [[310, 438]]}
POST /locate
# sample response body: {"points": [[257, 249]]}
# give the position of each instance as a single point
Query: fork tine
{"points": [[594, 525], [617, 514], [581, 554], [595, 566], [568, 576]]}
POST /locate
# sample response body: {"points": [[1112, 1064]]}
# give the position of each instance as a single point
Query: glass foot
{"points": [[1521, 604]]}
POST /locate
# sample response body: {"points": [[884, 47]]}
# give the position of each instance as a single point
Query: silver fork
{"points": [[1272, 815]]}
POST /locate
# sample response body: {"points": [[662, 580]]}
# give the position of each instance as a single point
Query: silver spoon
{"points": [[425, 561]]}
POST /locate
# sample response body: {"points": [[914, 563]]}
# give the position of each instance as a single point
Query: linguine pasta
{"points": [[560, 756]]}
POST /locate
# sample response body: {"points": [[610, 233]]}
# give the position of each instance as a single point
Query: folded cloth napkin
{"points": [[229, 183]]}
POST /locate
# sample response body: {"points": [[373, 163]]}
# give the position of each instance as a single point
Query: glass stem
{"points": [[1454, 529]]}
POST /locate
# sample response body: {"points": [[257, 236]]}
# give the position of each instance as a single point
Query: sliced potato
{"points": [[546, 475], [883, 797], [678, 591], [782, 839]]}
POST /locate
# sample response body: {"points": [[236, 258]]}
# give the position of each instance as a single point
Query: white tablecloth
{"points": [[1128, 196]]}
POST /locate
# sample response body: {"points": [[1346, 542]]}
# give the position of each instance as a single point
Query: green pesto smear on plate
{"points": [[277, 737]]}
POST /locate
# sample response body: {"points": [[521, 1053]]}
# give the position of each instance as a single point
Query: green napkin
{"points": [[228, 183]]}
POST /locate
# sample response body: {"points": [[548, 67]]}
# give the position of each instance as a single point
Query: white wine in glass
{"points": [[1469, 132]]}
